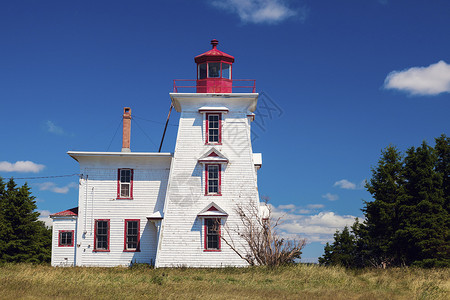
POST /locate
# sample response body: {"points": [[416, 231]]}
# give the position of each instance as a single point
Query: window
{"points": [[212, 234], [65, 238], [226, 71], [101, 235], [131, 235], [213, 70], [125, 184], [213, 128], [202, 71], [212, 180]]}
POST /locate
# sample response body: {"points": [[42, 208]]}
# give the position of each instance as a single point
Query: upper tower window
{"points": [[213, 128]]}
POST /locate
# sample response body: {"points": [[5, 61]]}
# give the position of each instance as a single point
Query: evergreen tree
{"points": [[24, 237], [2, 218], [342, 251], [442, 150], [424, 232], [376, 234], [408, 222]]}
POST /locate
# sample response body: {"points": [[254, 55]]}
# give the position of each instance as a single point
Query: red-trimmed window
{"points": [[214, 128], [213, 179], [125, 184], [101, 236], [132, 236], [212, 234], [65, 238]]}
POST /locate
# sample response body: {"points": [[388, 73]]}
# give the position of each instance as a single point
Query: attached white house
{"points": [[169, 209]]}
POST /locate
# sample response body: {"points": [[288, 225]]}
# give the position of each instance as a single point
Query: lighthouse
{"points": [[214, 169], [171, 209]]}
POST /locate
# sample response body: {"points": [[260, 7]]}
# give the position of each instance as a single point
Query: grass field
{"points": [[293, 282]]}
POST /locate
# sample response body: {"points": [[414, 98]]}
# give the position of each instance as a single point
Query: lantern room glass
{"points": [[202, 71], [213, 70], [226, 71]]}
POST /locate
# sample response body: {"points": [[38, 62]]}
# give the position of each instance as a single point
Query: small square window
{"points": [[65, 238]]}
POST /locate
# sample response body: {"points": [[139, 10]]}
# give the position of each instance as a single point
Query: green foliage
{"points": [[23, 238], [408, 222], [342, 251]]}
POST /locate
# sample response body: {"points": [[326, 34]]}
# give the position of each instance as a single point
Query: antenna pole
{"points": [[165, 128]]}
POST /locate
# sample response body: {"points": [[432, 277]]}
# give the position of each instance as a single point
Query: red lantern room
{"points": [[214, 71]]}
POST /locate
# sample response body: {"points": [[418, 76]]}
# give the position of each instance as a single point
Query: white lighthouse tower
{"points": [[213, 169]]}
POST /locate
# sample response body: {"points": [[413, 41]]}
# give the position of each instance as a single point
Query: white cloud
{"points": [[288, 206], [315, 206], [345, 184], [331, 197], [51, 186], [261, 11], [319, 227], [53, 128], [21, 166], [431, 80], [45, 217]]}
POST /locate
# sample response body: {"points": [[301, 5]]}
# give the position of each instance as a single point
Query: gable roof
{"points": [[68, 212], [213, 156], [212, 210]]}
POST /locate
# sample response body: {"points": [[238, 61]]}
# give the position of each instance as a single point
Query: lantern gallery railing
{"points": [[214, 86]]}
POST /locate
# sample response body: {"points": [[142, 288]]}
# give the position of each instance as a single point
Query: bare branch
{"points": [[262, 245]]}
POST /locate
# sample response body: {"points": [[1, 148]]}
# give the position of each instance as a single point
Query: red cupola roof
{"points": [[214, 55]]}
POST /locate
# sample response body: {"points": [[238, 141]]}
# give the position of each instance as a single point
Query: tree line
{"points": [[23, 238], [407, 222]]}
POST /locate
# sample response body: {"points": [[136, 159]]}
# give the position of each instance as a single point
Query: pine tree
{"points": [[423, 231], [2, 218], [25, 238], [342, 251], [376, 234], [408, 222], [442, 150]]}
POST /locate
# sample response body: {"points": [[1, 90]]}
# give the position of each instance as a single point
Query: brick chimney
{"points": [[126, 129]]}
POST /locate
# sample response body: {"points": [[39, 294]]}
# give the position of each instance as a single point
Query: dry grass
{"points": [[294, 282]]}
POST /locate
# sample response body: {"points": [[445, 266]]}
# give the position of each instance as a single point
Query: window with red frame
{"points": [[125, 184], [213, 179], [65, 238], [132, 235], [101, 235], [212, 234], [213, 128]]}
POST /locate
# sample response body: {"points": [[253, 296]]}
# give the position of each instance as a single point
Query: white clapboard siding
{"points": [[63, 256], [98, 200]]}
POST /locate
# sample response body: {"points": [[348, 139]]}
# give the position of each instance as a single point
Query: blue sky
{"points": [[341, 80]]}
